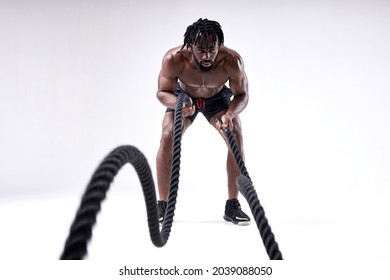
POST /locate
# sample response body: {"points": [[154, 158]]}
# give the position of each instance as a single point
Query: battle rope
{"points": [[244, 184], [271, 246], [81, 229]]}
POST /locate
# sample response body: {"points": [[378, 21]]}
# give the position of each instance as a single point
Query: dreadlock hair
{"points": [[199, 31]]}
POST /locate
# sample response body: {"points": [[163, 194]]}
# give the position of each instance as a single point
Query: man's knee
{"points": [[237, 133], [166, 137], [167, 129]]}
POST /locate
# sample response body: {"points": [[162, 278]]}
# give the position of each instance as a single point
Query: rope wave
{"points": [[80, 233]]}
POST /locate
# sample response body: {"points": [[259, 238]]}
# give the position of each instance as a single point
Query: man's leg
{"points": [[164, 159], [232, 168], [233, 212]]}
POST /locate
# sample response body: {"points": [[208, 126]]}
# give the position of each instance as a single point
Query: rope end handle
{"points": [[187, 101]]}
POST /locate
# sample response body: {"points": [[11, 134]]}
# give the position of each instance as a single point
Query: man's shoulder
{"points": [[175, 59], [177, 53], [230, 59], [229, 54]]}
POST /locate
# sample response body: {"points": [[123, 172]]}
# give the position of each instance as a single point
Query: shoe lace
{"points": [[235, 204]]}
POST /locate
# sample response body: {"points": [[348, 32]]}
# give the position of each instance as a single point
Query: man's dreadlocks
{"points": [[199, 31]]}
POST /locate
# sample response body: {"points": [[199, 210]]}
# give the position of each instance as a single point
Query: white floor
{"points": [[34, 229]]}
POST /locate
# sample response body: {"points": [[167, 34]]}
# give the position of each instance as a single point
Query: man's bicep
{"points": [[239, 83], [167, 78], [166, 83], [238, 80]]}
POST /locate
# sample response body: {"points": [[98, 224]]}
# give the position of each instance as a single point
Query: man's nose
{"points": [[206, 55]]}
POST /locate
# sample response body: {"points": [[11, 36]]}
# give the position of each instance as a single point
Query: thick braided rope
{"points": [[175, 171], [236, 152], [244, 184], [248, 191], [81, 229]]}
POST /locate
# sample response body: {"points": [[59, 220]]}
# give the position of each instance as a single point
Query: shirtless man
{"points": [[201, 67]]}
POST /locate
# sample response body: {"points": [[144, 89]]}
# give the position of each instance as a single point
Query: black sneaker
{"points": [[161, 207], [234, 214]]}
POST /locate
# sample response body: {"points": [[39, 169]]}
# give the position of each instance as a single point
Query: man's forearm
{"points": [[238, 104], [168, 99]]}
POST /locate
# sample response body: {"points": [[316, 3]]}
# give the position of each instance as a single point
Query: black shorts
{"points": [[208, 106]]}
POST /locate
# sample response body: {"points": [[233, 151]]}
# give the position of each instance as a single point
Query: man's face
{"points": [[205, 53]]}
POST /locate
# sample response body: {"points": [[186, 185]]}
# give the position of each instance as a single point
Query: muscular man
{"points": [[201, 67]]}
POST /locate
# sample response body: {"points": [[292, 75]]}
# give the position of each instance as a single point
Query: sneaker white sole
{"points": [[238, 223]]}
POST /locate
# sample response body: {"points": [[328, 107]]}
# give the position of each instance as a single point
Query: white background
{"points": [[78, 78]]}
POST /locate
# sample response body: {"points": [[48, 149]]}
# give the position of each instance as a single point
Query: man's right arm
{"points": [[167, 80]]}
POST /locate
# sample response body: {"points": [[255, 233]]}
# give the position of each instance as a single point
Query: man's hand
{"points": [[188, 110], [227, 121]]}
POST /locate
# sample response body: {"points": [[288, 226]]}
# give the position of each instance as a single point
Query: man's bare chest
{"points": [[202, 84]]}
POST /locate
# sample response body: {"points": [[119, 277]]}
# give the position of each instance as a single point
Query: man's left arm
{"points": [[238, 83]]}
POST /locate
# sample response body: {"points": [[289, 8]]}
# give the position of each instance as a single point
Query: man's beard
{"points": [[201, 67]]}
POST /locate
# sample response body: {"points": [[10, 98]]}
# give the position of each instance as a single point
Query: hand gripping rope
{"points": [[80, 233]]}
